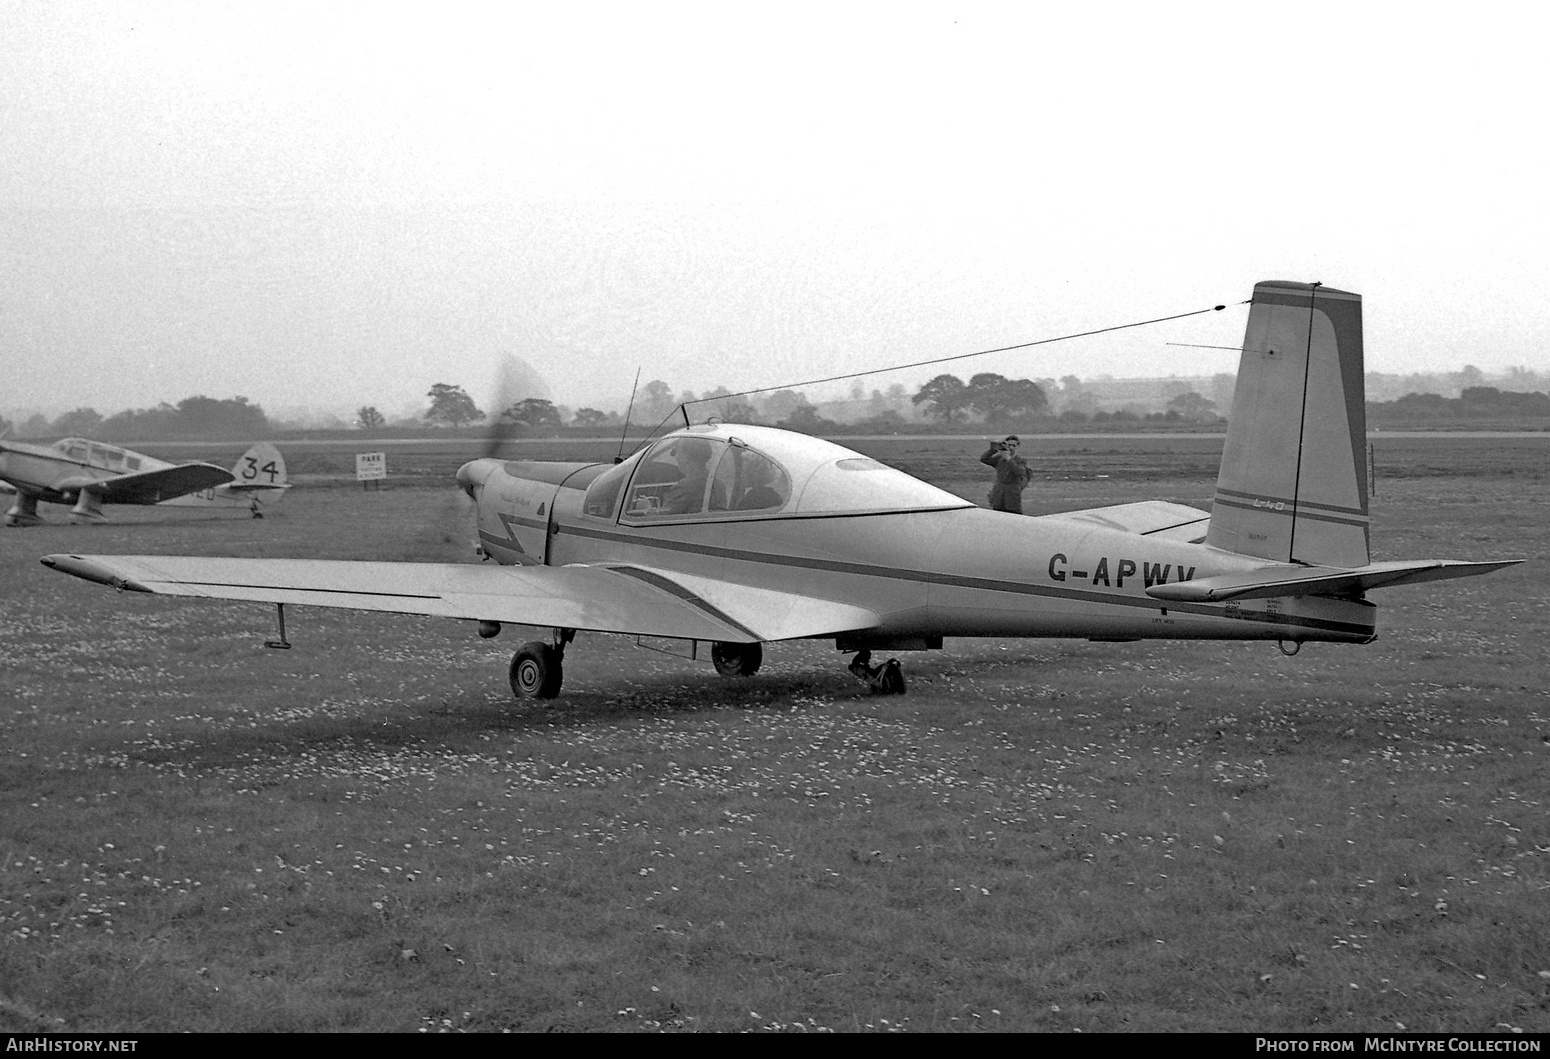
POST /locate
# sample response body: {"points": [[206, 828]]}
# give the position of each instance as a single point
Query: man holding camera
{"points": [[1012, 474]]}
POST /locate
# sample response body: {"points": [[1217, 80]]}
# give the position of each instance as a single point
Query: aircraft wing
{"points": [[1289, 580], [610, 597], [152, 487], [1149, 518]]}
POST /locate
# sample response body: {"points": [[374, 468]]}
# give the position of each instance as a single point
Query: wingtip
{"points": [[84, 568]]}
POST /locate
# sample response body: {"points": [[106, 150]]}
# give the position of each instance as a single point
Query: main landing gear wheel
{"points": [[24, 512], [886, 679], [737, 659], [537, 671]]}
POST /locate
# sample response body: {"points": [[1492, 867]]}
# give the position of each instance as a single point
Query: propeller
{"points": [[456, 525], [507, 392]]}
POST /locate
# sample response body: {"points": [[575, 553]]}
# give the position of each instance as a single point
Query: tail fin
{"points": [[1293, 483], [260, 468]]}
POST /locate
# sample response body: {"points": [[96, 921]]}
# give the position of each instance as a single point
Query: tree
{"points": [[533, 412], [1193, 406], [1468, 376], [209, 417], [1001, 400], [945, 396], [368, 418], [158, 422], [739, 412], [985, 395], [782, 404], [452, 405], [655, 402], [806, 419], [84, 422], [588, 418]]}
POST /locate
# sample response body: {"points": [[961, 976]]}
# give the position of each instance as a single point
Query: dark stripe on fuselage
{"points": [[959, 580]]}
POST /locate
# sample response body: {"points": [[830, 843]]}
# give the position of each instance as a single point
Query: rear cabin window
{"points": [[747, 481]]}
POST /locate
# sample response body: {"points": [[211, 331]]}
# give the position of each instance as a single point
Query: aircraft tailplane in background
{"points": [[258, 479]]}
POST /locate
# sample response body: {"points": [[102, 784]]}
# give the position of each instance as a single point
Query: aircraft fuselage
{"points": [[928, 574]]}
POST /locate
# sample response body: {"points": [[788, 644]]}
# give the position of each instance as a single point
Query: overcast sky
{"points": [[333, 205]]}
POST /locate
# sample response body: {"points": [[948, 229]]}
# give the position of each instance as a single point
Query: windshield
{"points": [[721, 471], [602, 500]]}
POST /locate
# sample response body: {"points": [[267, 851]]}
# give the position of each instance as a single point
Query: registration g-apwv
{"points": [[740, 535]]}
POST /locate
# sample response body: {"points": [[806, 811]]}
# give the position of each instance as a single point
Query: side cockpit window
{"points": [[675, 479]]}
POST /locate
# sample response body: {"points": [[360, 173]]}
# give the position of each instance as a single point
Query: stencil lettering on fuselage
{"points": [[1151, 573]]}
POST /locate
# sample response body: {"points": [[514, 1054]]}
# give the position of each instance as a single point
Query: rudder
{"points": [[1293, 481], [261, 467]]}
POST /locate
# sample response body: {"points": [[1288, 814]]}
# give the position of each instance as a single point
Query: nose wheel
{"points": [[886, 679], [737, 659]]}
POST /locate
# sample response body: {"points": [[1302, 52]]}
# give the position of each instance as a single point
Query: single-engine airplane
{"points": [[738, 535], [89, 474]]}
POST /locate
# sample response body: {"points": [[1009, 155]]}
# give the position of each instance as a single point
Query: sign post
{"points": [[370, 467]]}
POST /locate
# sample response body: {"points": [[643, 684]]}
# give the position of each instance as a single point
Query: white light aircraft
{"points": [[89, 474], [738, 535]]}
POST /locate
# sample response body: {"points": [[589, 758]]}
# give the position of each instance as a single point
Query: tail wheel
{"points": [[537, 671], [737, 659]]}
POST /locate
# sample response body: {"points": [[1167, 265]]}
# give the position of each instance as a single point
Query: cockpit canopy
{"points": [[722, 471], [105, 457]]}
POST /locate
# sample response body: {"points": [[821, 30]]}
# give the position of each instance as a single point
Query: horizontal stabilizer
{"points": [[613, 598], [1288, 580], [255, 487]]}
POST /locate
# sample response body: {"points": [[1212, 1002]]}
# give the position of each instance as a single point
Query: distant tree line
{"points": [[1383, 387], [986, 399], [1474, 403], [192, 417]]}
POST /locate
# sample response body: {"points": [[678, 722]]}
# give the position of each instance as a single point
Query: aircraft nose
{"points": [[473, 474]]}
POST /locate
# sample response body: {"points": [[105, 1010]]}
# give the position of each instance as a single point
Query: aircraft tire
{"points": [[737, 659], [537, 671]]}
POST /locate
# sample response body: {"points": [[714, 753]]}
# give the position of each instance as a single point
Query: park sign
{"points": [[370, 466]]}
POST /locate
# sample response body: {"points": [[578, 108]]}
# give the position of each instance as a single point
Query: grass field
{"points": [[367, 832]]}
